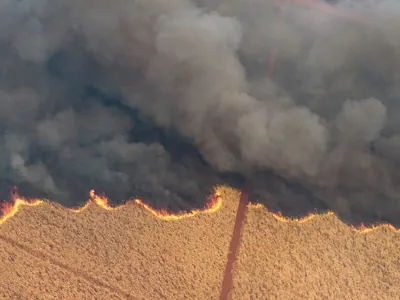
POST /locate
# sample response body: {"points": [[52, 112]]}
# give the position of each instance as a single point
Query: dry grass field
{"points": [[50, 252], [321, 258]]}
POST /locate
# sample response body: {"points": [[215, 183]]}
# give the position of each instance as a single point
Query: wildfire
{"points": [[215, 203], [360, 229], [213, 206], [364, 229], [9, 210], [101, 201], [307, 218]]}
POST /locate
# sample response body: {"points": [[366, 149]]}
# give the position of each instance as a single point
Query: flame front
{"points": [[101, 201], [213, 206], [9, 210], [215, 203], [360, 229]]}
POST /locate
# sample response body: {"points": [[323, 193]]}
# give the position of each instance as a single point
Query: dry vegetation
{"points": [[319, 259], [49, 252], [97, 253]]}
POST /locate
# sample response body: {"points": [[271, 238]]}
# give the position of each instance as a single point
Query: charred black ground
{"points": [[164, 99]]}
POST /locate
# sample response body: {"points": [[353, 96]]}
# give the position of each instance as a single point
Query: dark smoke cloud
{"points": [[162, 99]]}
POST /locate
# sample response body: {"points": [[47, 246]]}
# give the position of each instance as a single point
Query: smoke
{"points": [[162, 99]]}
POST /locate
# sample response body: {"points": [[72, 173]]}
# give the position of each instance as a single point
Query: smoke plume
{"points": [[162, 99]]}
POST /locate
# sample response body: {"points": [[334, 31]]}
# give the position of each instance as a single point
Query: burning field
{"points": [[162, 101], [129, 252], [133, 252], [318, 257]]}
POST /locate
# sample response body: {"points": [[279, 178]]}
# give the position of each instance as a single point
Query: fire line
{"points": [[359, 229], [8, 210]]}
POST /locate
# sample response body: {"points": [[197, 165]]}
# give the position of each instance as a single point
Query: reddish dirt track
{"points": [[227, 283]]}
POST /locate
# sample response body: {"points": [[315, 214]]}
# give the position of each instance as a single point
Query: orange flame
{"points": [[360, 229], [101, 201], [9, 210], [364, 229], [213, 206], [215, 203]]}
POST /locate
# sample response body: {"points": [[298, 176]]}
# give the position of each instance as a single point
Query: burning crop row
{"points": [[213, 205], [9, 210], [361, 229]]}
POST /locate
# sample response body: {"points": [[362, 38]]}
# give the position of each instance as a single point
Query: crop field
{"points": [[50, 252]]}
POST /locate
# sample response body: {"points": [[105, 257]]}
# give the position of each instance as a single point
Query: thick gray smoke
{"points": [[104, 94]]}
